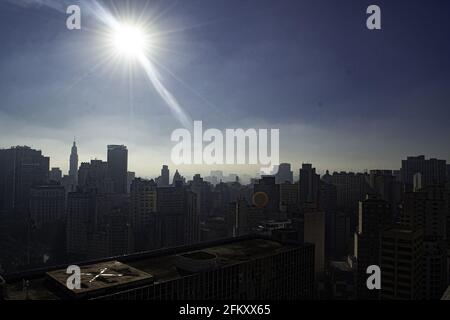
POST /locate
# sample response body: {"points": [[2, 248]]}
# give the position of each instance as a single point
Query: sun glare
{"points": [[129, 40]]}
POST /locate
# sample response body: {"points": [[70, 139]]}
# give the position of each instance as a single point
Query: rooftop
{"points": [[155, 266]]}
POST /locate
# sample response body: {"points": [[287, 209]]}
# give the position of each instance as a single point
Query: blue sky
{"points": [[342, 96]]}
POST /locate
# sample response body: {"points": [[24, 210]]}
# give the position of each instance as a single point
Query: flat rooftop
{"points": [[150, 267]]}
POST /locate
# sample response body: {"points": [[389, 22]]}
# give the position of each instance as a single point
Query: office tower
{"points": [[267, 190], [384, 183], [95, 176], [130, 177], [428, 210], [143, 197], [246, 268], [55, 175], [328, 204], [178, 222], [433, 171], [47, 204], [73, 164], [243, 218], [284, 174], [164, 179], [374, 216], [117, 167], [351, 189], [20, 169], [289, 198], [401, 264], [309, 184], [202, 189], [112, 234], [178, 178], [81, 222], [344, 238], [314, 232]]}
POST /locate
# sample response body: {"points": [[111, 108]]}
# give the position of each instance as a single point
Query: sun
{"points": [[129, 40]]}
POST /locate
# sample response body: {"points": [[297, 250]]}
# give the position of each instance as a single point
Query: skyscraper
{"points": [[374, 216], [73, 165], [163, 180], [433, 171], [55, 175], [117, 167], [309, 184], [401, 264], [427, 210], [20, 169], [284, 174]]}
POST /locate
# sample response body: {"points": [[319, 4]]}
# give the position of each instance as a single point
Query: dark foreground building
{"points": [[245, 268]]}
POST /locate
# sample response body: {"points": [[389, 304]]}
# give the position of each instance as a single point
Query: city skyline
{"points": [[350, 110]]}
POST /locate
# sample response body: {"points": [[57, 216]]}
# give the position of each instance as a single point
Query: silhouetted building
{"points": [[143, 197], [203, 191], [289, 198], [55, 175], [428, 210], [269, 192], [47, 204], [309, 184], [401, 264], [433, 171], [374, 216], [328, 204], [178, 222], [164, 179], [20, 169], [284, 174], [95, 176], [73, 163], [130, 177], [178, 178], [314, 232], [117, 167]]}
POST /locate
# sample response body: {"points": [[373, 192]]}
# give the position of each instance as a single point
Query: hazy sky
{"points": [[342, 96]]}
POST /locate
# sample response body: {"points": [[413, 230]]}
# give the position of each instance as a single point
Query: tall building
{"points": [[117, 167], [289, 198], [143, 202], [55, 175], [81, 222], [428, 211], [73, 164], [267, 190], [203, 191], [284, 174], [130, 178], [20, 169], [178, 221], [178, 178], [374, 216], [401, 264], [47, 204], [309, 184], [328, 204], [351, 189], [164, 179], [433, 171], [94, 176], [314, 232]]}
